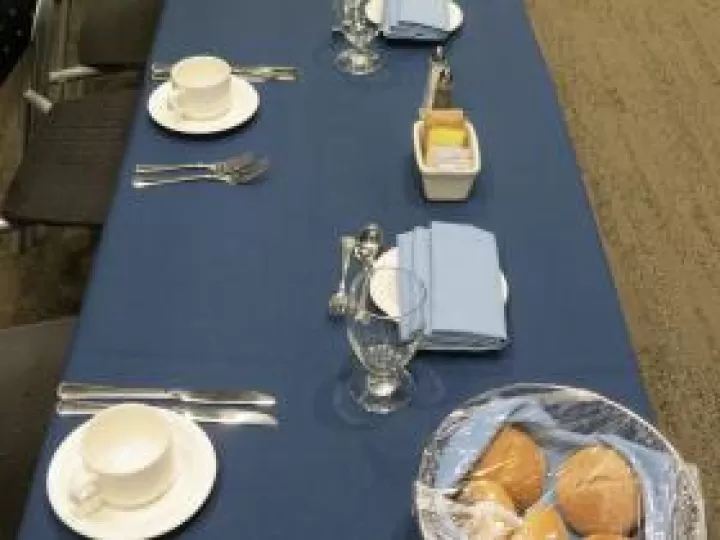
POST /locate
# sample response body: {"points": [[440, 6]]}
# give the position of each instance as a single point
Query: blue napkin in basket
{"points": [[656, 470], [415, 19], [465, 308]]}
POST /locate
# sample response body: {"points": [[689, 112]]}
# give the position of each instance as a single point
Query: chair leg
{"points": [[23, 238], [16, 241]]}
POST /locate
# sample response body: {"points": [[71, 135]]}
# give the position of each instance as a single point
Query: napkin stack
{"points": [[424, 20], [465, 308]]}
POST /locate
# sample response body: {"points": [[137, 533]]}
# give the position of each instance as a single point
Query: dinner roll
{"points": [[541, 523], [598, 493], [478, 489], [514, 461]]}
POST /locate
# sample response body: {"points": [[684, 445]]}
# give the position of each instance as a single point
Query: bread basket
{"points": [[577, 411]]}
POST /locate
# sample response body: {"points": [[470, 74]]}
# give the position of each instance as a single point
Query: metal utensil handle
{"points": [[69, 391], [251, 78], [161, 67], [219, 415], [262, 77], [77, 408], [346, 250], [246, 398], [284, 77], [162, 71], [243, 161], [140, 182], [152, 169], [159, 77], [266, 70]]}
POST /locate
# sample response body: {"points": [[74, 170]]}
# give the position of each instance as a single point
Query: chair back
{"points": [[118, 33], [47, 48]]}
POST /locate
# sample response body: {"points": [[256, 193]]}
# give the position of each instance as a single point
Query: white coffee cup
{"points": [[126, 452], [200, 88]]}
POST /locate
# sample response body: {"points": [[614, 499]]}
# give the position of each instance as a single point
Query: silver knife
{"points": [[74, 391], [197, 413], [251, 78], [161, 72]]}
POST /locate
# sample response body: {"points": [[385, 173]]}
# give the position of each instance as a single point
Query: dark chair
{"points": [[118, 32], [31, 362], [115, 35], [41, 23], [69, 171]]}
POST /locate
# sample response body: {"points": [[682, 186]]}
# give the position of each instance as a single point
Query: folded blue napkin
{"points": [[465, 308], [656, 470], [415, 19]]}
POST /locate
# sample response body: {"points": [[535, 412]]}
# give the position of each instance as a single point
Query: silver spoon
{"points": [[339, 300], [369, 243]]}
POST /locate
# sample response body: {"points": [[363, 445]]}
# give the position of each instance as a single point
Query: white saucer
{"points": [[374, 13], [197, 468], [245, 101], [384, 291]]}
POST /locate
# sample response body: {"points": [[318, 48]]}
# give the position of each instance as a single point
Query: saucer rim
{"points": [[232, 119], [198, 442]]}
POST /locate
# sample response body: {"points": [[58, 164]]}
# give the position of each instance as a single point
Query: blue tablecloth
{"points": [[210, 286]]}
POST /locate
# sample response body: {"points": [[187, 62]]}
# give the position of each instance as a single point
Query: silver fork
{"points": [[230, 177], [221, 167]]}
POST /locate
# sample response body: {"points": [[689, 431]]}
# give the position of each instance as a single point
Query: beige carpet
{"points": [[640, 82]]}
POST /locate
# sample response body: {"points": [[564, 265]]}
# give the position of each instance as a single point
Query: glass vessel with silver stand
{"points": [[352, 22], [384, 343]]}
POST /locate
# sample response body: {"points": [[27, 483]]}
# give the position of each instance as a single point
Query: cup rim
{"points": [[382, 316], [202, 83], [163, 449]]}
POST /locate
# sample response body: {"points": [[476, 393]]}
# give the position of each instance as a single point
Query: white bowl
{"points": [[443, 184]]}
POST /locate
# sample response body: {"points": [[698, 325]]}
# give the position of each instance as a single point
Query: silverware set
{"points": [[233, 407], [160, 72], [365, 246], [241, 169]]}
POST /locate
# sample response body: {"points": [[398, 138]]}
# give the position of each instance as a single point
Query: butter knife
{"points": [[161, 72], [75, 391], [197, 413]]}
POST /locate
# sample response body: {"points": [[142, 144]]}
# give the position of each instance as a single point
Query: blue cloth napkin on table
{"points": [[465, 308], [656, 470], [415, 19]]}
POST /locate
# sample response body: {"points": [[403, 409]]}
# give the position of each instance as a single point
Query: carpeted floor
{"points": [[640, 84]]}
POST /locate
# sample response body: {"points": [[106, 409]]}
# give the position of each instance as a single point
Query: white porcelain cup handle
{"points": [[172, 101], [85, 493]]}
